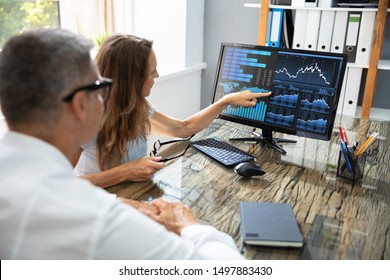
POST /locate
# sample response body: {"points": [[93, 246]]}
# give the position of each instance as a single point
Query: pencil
{"points": [[368, 142]]}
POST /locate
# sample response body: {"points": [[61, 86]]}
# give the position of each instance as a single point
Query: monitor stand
{"points": [[266, 138]]}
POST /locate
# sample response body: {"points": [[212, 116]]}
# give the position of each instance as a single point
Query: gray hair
{"points": [[37, 68]]}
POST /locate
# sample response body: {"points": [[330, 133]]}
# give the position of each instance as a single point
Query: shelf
{"points": [[383, 64], [252, 5], [375, 63], [376, 113]]}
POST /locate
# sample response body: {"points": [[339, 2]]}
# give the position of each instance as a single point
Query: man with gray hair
{"points": [[52, 96]]}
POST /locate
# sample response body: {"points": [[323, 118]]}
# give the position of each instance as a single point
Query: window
{"points": [[175, 26], [17, 16]]}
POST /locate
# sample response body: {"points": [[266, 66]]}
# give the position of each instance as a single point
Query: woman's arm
{"points": [[137, 170], [169, 126]]}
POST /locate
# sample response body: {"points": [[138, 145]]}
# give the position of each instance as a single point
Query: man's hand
{"points": [[140, 205], [173, 215]]}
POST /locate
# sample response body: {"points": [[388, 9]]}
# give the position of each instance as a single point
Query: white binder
{"points": [[325, 32], [339, 28], [312, 28], [352, 87], [299, 29], [311, 3], [340, 106], [275, 28], [351, 39], [365, 37]]}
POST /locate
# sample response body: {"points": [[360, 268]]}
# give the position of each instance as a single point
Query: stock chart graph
{"points": [[302, 85], [303, 89], [308, 70]]}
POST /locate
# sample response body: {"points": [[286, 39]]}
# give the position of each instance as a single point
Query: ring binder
{"points": [[275, 28], [340, 25], [325, 32], [299, 26], [352, 35], [312, 28], [365, 37]]}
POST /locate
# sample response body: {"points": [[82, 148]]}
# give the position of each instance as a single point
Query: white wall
{"points": [[178, 91], [194, 32], [176, 28], [225, 21]]}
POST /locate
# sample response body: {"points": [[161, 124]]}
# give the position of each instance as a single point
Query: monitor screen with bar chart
{"points": [[305, 87]]}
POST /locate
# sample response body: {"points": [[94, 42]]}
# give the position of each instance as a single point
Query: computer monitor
{"points": [[305, 89]]}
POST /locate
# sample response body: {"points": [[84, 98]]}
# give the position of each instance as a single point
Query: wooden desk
{"points": [[338, 220]]}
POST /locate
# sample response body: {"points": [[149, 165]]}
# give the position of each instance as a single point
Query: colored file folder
{"points": [[351, 39], [275, 28]]}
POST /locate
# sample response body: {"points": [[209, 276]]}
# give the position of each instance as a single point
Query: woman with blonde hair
{"points": [[118, 152]]}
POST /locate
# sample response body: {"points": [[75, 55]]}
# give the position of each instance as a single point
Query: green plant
{"points": [[99, 39]]}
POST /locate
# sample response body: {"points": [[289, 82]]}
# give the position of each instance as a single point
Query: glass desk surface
{"points": [[338, 219]]}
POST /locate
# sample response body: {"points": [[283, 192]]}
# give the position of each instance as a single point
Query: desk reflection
{"points": [[338, 220]]}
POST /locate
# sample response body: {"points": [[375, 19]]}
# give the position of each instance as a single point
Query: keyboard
{"points": [[222, 152]]}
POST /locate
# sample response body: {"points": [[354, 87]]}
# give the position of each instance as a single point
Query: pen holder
{"points": [[357, 167]]}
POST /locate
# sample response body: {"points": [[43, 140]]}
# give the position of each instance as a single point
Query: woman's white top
{"points": [[88, 164]]}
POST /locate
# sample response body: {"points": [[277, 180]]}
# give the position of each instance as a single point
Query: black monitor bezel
{"points": [[273, 128]]}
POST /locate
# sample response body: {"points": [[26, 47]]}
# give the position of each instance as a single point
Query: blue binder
{"points": [[275, 28]]}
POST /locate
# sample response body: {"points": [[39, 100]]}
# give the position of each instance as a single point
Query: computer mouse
{"points": [[249, 169]]}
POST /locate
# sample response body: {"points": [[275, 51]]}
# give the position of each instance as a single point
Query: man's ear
{"points": [[79, 105]]}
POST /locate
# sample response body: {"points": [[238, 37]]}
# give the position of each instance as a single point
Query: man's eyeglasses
{"points": [[158, 144], [105, 84]]}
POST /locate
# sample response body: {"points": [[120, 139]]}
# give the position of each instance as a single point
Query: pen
{"points": [[345, 152], [346, 140], [355, 144], [368, 142], [341, 134]]}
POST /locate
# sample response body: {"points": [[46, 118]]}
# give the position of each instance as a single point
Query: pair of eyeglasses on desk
{"points": [[158, 144]]}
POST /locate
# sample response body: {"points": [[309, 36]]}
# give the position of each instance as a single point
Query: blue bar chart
{"points": [[245, 65], [254, 113]]}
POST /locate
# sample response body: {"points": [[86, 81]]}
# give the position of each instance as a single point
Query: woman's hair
{"points": [[123, 58]]}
